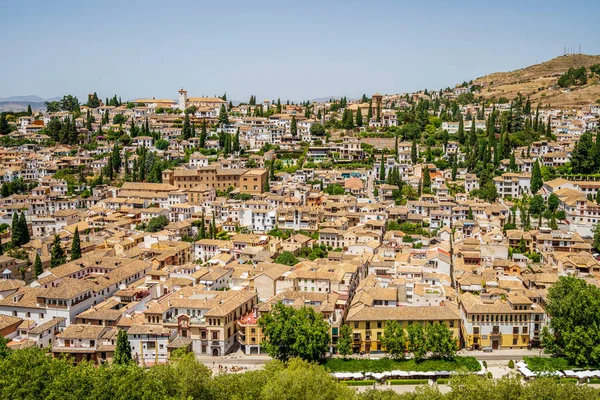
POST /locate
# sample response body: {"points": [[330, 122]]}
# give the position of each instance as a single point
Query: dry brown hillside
{"points": [[539, 83]]}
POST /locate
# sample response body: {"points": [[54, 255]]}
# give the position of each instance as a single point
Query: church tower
{"points": [[182, 99]]}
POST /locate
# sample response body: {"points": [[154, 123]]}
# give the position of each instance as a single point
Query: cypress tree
{"points": [[202, 141], [29, 111], [213, 227], [186, 131], [76, 246], [223, 118], [37, 265], [202, 228], [359, 120], [413, 152], [512, 165], [294, 127], [24, 230], [16, 230], [382, 169], [370, 112], [272, 170], [460, 135], [470, 214], [57, 254], [122, 354], [236, 141], [426, 180], [536, 178]]}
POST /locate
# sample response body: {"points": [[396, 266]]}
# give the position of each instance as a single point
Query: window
{"points": [[524, 330], [476, 330], [379, 324], [515, 330], [355, 324]]}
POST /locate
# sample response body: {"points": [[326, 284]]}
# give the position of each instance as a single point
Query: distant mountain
{"points": [[325, 99], [539, 83]]}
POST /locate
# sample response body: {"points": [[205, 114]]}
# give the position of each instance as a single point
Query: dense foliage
{"points": [[291, 332], [32, 374], [574, 309]]}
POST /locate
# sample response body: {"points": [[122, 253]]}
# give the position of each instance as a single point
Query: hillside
{"points": [[539, 82]]}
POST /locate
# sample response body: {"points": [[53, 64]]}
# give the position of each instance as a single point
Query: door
{"points": [[495, 344]]}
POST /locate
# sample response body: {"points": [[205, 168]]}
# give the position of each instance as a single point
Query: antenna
{"points": [[579, 48]]}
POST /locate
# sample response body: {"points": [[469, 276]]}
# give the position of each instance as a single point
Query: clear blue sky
{"points": [[289, 49]]}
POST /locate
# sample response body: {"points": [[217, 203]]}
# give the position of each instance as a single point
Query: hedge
{"points": [[443, 381], [468, 364], [359, 383], [409, 382]]}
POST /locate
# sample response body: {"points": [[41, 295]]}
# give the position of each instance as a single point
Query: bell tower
{"points": [[182, 99]]}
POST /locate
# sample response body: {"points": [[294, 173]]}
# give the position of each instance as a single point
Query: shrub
{"points": [[409, 382], [443, 381], [484, 364], [489, 375], [387, 364], [368, 382], [511, 364]]}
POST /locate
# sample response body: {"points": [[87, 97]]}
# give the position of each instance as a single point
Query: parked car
{"points": [[487, 349]]}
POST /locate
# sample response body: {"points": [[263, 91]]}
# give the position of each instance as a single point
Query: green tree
{"points": [[394, 339], [16, 234], [157, 223], [344, 342], [553, 202], [76, 245], [536, 178], [359, 119], [57, 254], [122, 349], [574, 309], [440, 341], [416, 340], [4, 126], [596, 232], [37, 265], [24, 229], [287, 258], [294, 127], [291, 332], [186, 131], [470, 214], [161, 144], [382, 169], [537, 205], [413, 152], [223, 117], [460, 134], [426, 180], [317, 129], [582, 156]]}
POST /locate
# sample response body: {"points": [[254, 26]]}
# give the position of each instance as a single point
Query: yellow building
{"points": [[368, 323], [500, 321]]}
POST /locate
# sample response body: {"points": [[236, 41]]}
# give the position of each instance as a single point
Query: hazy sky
{"points": [[289, 49]]}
